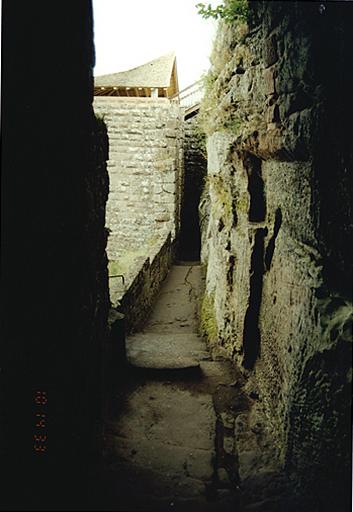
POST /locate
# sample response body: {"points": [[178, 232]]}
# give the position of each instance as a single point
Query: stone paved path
{"points": [[170, 441]]}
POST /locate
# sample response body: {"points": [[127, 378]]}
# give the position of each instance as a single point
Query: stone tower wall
{"points": [[145, 170]]}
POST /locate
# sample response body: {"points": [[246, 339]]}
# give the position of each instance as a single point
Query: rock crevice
{"points": [[278, 162]]}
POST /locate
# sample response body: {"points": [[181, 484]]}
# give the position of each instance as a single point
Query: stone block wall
{"points": [[137, 300], [145, 170], [276, 213]]}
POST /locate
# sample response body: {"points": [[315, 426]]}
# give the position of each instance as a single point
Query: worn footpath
{"points": [[170, 438]]}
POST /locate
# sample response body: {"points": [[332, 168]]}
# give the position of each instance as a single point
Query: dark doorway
{"points": [[195, 168]]}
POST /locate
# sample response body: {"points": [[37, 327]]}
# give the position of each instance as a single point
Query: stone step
{"points": [[165, 351]]}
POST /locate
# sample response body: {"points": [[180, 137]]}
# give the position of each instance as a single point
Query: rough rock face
{"points": [[275, 238]]}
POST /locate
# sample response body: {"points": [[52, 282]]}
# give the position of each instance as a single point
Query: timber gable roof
{"points": [[160, 73]]}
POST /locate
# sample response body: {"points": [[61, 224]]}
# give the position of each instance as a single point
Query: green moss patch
{"points": [[222, 199], [209, 327], [126, 262]]}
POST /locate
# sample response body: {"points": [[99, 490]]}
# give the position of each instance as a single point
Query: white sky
{"points": [[129, 33]]}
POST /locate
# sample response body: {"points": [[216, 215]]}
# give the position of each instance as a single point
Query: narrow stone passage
{"points": [[170, 440]]}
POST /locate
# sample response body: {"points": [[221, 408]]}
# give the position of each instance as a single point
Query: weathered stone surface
{"points": [[218, 145], [165, 351], [173, 445], [177, 308], [273, 234], [145, 139], [270, 54], [142, 285], [269, 81]]}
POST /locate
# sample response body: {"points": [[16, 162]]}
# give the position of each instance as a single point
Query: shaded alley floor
{"points": [[170, 439]]}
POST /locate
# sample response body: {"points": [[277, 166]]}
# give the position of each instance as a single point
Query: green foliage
{"points": [[219, 111], [229, 11]]}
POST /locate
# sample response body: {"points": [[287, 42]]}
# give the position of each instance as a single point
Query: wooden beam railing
{"points": [[190, 96]]}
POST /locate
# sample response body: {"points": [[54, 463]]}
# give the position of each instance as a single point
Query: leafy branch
{"points": [[229, 11]]}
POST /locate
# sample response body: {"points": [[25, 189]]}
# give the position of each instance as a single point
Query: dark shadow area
{"points": [[251, 333], [192, 374], [53, 269], [270, 249], [194, 171], [330, 367], [230, 271], [257, 210]]}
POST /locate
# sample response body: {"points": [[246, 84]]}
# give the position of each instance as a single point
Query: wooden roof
{"points": [[157, 73]]}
